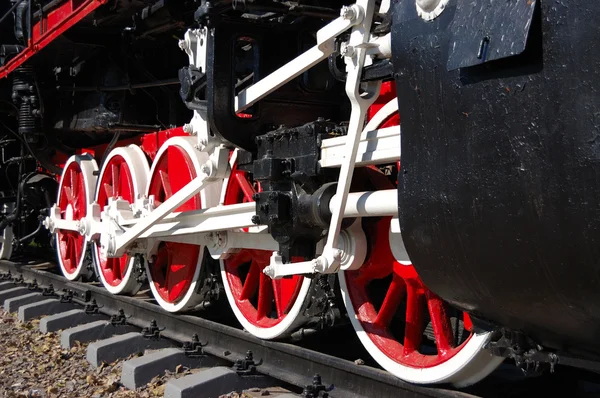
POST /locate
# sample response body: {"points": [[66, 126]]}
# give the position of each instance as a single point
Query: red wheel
{"points": [[74, 195], [265, 307], [175, 268], [124, 174], [404, 326]]}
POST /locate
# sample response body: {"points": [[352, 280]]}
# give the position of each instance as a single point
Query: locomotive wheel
{"points": [[266, 308], [74, 194], [395, 315], [124, 174], [174, 270]]}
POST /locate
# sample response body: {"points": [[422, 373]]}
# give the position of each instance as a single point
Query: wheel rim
{"points": [[266, 307], [401, 285], [394, 313], [264, 302], [73, 198], [124, 174], [115, 182], [176, 265]]}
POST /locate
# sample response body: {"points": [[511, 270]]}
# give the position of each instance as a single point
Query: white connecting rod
{"points": [[183, 195], [368, 204], [193, 226], [350, 16], [361, 97]]}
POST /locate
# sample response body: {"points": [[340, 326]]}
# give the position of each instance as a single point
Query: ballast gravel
{"points": [[33, 364]]}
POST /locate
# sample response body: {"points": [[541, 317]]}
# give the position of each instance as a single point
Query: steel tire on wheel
{"points": [[380, 323], [75, 193], [389, 307], [266, 308], [176, 269], [129, 167]]}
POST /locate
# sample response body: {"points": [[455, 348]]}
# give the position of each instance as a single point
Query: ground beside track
{"points": [[33, 364]]}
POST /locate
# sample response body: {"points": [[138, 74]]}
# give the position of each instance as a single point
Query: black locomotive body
{"points": [[499, 192]]}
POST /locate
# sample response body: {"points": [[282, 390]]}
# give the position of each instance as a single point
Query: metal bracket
{"points": [[119, 319], [19, 280], [193, 349], [529, 356], [67, 296], [33, 285], [49, 291], [152, 331], [316, 389], [92, 308], [246, 366]]}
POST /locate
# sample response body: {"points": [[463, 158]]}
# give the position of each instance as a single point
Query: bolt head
{"points": [[348, 13], [346, 50], [427, 5]]}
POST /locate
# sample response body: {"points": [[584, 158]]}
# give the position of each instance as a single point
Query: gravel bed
{"points": [[33, 364]]}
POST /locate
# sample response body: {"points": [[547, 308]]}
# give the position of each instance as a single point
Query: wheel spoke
{"points": [[237, 259], [69, 195], [468, 323], [166, 184], [413, 330], [125, 188], [277, 293], [74, 185], [244, 185], [176, 277], [392, 300], [114, 170], [265, 296], [112, 264], [69, 251], [440, 321], [108, 190], [251, 284]]}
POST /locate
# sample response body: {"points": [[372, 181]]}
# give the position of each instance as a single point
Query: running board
{"points": [[49, 28], [375, 147]]}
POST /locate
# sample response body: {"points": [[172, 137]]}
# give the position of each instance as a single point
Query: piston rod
{"points": [[369, 204]]}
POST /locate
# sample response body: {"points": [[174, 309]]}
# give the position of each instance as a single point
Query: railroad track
{"points": [[290, 365]]}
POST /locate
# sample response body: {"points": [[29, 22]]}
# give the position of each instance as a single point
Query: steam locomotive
{"points": [[252, 148]]}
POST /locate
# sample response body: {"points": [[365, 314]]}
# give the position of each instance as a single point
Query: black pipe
{"points": [[14, 7], [33, 234], [139, 128], [14, 215], [29, 26], [159, 83]]}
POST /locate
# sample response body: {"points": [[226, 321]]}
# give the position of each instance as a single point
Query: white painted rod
{"points": [[369, 204]]}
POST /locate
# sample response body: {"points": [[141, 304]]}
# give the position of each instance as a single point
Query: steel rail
{"points": [[282, 361]]}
